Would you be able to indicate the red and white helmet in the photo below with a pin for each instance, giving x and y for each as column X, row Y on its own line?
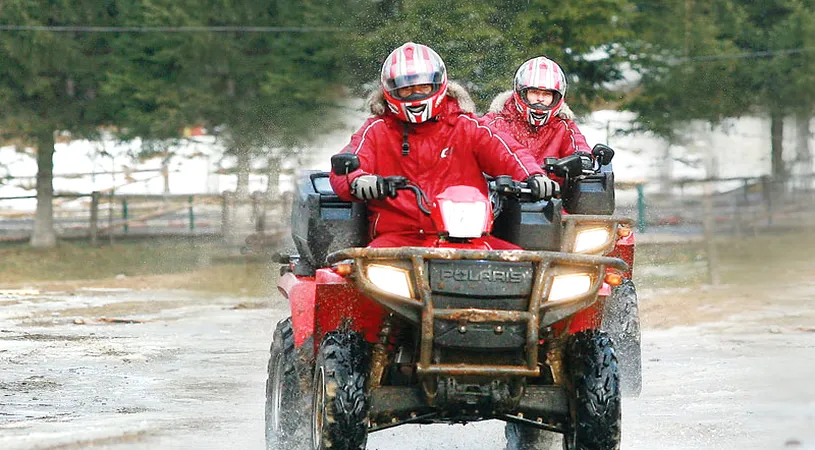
column 544, row 74
column 410, row 65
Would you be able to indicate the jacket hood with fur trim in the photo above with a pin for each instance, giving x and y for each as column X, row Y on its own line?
column 376, row 101
column 497, row 106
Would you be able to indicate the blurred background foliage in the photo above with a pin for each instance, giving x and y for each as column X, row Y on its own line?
column 277, row 72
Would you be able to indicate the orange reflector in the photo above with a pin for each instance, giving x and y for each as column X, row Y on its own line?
column 623, row 231
column 614, row 279
column 344, row 269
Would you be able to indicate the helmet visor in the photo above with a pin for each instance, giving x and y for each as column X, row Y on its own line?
column 435, row 78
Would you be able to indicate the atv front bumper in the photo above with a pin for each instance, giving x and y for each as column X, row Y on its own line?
column 541, row 309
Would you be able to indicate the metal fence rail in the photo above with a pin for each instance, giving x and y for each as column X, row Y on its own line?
column 737, row 205
column 95, row 216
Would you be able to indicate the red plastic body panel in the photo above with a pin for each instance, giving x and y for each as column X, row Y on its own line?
column 624, row 249
column 300, row 291
column 586, row 319
column 340, row 304
column 605, row 290
column 461, row 194
column 325, row 302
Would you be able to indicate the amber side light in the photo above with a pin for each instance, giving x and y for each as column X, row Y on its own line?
column 623, row 231
column 344, row 269
column 614, row 279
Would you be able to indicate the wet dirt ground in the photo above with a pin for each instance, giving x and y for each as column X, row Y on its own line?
column 724, row 368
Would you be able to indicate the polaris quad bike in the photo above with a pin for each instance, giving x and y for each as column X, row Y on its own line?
column 450, row 332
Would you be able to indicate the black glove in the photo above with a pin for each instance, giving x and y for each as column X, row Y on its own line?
column 368, row 187
column 586, row 159
column 542, row 187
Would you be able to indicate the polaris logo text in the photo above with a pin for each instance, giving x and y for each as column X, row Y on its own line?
column 482, row 275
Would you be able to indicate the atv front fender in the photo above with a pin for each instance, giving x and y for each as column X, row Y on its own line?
column 300, row 292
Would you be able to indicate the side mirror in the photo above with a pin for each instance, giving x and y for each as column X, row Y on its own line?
column 344, row 163
column 570, row 166
column 603, row 154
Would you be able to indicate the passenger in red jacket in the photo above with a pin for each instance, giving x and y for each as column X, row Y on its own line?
column 535, row 112
column 424, row 129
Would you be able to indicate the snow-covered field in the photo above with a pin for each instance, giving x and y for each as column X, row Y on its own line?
column 739, row 148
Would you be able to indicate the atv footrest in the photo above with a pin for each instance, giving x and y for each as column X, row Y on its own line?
column 396, row 401
column 544, row 401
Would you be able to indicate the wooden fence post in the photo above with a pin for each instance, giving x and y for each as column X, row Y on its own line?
column 641, row 220
column 110, row 217
column 93, row 230
column 125, row 215
column 227, row 204
column 190, row 201
column 767, row 190
column 709, row 236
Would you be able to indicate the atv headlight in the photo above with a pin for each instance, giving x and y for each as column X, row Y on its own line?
column 390, row 279
column 464, row 219
column 590, row 239
column 566, row 286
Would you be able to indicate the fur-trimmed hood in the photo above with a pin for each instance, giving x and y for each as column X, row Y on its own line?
column 378, row 106
column 497, row 106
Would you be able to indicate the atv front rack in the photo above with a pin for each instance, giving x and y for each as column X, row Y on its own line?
column 540, row 313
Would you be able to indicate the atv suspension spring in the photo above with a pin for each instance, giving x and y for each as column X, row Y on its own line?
column 379, row 356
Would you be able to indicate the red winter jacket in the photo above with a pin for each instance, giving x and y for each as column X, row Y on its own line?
column 453, row 150
column 558, row 138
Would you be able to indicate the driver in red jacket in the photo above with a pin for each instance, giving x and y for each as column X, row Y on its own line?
column 535, row 112
column 424, row 129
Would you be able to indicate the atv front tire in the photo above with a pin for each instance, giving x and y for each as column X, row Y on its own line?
column 340, row 405
column 621, row 320
column 285, row 402
column 595, row 396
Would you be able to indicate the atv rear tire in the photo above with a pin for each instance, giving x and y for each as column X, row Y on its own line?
column 621, row 320
column 340, row 406
column 285, row 402
column 527, row 437
column 596, row 401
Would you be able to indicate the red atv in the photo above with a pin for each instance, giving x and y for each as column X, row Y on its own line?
column 452, row 331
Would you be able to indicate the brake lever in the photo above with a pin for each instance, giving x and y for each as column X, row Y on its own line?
column 393, row 184
column 421, row 198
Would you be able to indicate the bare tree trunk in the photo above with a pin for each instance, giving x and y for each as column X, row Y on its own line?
column 273, row 183
column 242, row 224
column 165, row 173
column 244, row 164
column 777, row 146
column 43, row 235
column 803, row 155
column 665, row 171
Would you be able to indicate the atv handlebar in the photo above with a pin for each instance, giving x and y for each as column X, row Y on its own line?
column 505, row 185
column 579, row 163
column 501, row 185
column 569, row 167
column 394, row 184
